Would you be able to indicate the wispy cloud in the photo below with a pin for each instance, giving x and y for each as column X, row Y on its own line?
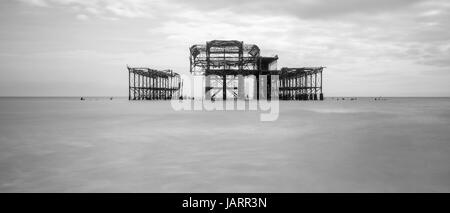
column 362, row 38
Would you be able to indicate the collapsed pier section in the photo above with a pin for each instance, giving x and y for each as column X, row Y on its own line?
column 150, row 84
column 303, row 83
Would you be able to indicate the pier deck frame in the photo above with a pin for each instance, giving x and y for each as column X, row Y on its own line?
column 303, row 83
column 150, row 84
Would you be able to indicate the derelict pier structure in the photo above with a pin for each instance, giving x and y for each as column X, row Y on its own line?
column 150, row 84
column 227, row 66
column 222, row 61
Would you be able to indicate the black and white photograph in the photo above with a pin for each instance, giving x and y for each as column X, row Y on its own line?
column 205, row 96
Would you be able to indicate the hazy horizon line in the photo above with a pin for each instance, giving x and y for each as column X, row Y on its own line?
column 191, row 96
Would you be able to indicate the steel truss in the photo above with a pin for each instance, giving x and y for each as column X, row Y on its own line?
column 301, row 83
column 150, row 84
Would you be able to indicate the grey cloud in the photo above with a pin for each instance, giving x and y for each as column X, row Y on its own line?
column 306, row 9
column 363, row 37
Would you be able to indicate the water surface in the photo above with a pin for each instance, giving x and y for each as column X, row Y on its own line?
column 99, row 145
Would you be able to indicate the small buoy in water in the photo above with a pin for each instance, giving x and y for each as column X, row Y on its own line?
column 111, row 98
column 82, row 98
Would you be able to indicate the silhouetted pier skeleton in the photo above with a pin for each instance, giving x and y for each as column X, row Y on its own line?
column 224, row 64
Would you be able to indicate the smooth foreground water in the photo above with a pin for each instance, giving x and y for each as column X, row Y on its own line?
column 98, row 145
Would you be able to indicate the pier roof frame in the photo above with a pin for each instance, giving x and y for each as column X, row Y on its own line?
column 148, row 72
column 226, row 57
column 288, row 71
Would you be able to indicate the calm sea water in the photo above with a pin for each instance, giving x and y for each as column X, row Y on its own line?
column 102, row 145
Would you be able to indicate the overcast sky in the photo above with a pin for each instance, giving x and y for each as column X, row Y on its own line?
column 82, row 47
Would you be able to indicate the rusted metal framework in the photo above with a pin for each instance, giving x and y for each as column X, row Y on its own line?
column 301, row 83
column 221, row 61
column 150, row 84
column 224, row 60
